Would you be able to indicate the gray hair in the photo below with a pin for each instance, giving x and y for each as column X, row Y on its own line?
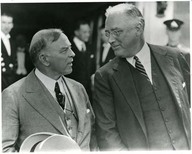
column 40, row 41
column 129, row 9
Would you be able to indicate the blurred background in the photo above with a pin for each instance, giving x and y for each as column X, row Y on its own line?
column 31, row 17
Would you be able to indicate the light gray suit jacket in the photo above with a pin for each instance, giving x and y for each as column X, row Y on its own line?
column 28, row 107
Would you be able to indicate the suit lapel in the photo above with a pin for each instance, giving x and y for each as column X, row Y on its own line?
column 76, row 100
column 174, row 79
column 167, row 67
column 37, row 96
column 125, row 82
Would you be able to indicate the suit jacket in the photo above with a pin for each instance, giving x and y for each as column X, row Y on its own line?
column 83, row 67
column 110, row 56
column 28, row 108
column 119, row 120
column 9, row 75
column 185, row 51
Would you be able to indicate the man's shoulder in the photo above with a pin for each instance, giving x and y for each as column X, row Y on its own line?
column 108, row 67
column 73, row 82
column 16, row 87
column 166, row 50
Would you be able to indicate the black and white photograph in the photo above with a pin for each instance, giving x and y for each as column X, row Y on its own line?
column 95, row 76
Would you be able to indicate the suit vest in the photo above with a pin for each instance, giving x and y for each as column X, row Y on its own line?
column 70, row 117
column 164, row 126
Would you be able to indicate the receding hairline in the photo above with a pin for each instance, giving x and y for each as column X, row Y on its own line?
column 45, row 34
column 41, row 40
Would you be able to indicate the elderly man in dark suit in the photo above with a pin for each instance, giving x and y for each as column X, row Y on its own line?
column 141, row 96
column 8, row 51
column 45, row 100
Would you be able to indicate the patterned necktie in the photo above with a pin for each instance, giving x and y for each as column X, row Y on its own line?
column 140, row 67
column 59, row 96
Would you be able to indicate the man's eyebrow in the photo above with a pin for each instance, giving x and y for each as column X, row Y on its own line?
column 116, row 28
column 66, row 47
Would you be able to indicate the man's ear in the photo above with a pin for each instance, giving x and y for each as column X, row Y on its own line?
column 76, row 33
column 139, row 29
column 44, row 59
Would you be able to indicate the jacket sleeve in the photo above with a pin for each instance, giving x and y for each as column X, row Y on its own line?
column 88, row 141
column 108, row 137
column 10, row 122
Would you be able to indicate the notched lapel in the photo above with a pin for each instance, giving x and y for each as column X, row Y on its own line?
column 166, row 65
column 37, row 97
column 125, row 82
column 79, row 107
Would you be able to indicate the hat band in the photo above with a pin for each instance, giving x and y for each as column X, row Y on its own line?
column 34, row 146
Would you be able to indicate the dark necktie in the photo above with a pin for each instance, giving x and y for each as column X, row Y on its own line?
column 59, row 96
column 140, row 67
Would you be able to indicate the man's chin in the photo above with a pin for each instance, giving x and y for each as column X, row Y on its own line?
column 68, row 72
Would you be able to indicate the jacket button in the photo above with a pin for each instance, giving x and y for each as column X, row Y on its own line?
column 170, row 131
column 166, row 119
column 10, row 65
column 4, row 69
column 173, row 141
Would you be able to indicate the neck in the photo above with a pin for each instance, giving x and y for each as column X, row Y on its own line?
column 50, row 74
column 140, row 45
column 173, row 43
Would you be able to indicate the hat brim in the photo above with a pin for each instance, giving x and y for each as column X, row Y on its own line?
column 31, row 140
column 58, row 143
column 45, row 141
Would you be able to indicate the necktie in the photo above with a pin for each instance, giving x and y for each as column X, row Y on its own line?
column 140, row 67
column 59, row 96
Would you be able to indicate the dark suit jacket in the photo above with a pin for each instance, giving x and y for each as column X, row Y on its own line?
column 119, row 121
column 83, row 66
column 9, row 75
column 28, row 107
column 109, row 56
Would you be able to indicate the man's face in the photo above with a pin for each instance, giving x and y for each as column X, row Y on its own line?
column 121, row 33
column 83, row 33
column 60, row 56
column 6, row 24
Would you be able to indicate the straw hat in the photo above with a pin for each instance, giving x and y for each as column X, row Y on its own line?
column 45, row 141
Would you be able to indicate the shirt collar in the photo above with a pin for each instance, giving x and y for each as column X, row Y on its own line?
column 78, row 43
column 143, row 55
column 143, row 52
column 106, row 45
column 3, row 36
column 48, row 82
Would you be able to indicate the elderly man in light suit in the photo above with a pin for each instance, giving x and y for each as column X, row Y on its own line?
column 45, row 100
column 142, row 96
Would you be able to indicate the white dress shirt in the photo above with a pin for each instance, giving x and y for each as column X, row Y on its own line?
column 6, row 42
column 80, row 44
column 106, row 47
column 49, row 83
column 144, row 56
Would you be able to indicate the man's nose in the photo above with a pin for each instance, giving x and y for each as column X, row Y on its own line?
column 72, row 54
column 111, row 39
